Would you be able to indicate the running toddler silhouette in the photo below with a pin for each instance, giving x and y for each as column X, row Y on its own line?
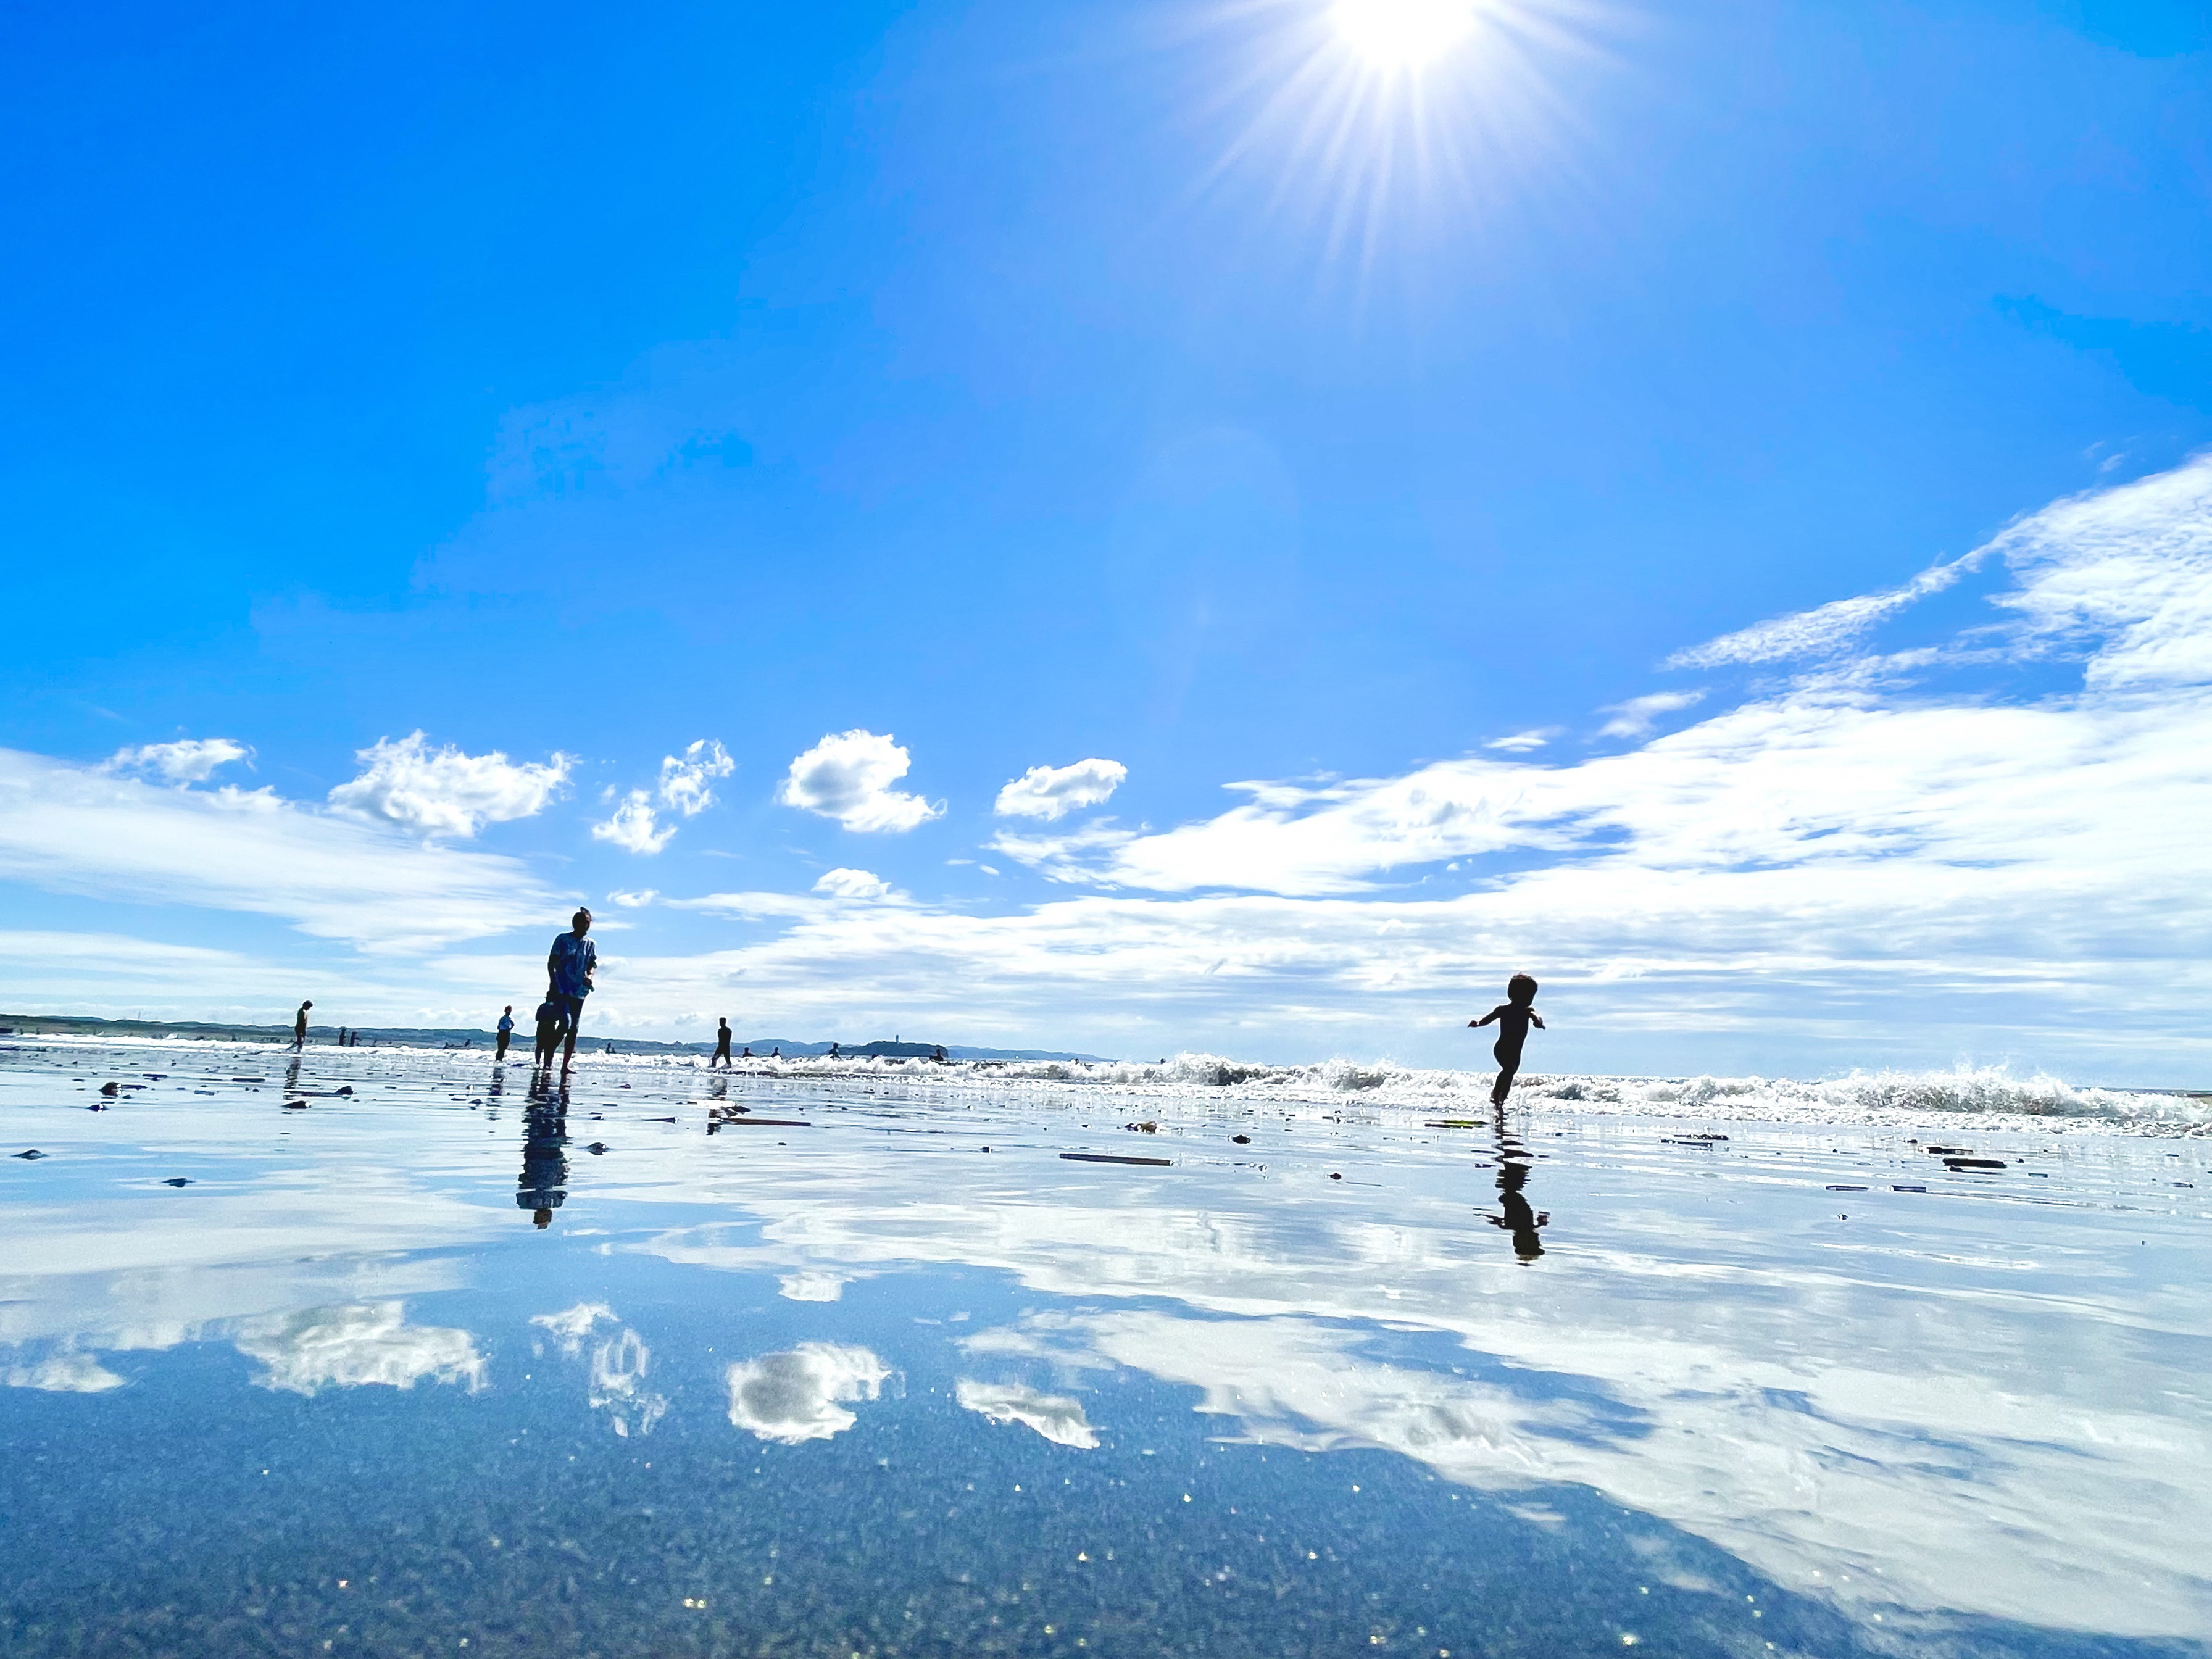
column 1514, row 1016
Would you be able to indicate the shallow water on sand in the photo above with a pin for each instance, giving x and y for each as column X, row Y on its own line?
column 808, row 1371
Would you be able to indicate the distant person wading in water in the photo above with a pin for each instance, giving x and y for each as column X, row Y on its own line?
column 569, row 968
column 299, row 1026
column 721, row 1045
column 506, row 1031
column 1514, row 1016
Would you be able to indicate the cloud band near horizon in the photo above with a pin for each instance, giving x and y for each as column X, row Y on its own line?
column 1844, row 855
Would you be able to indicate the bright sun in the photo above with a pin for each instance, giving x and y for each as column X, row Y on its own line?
column 1403, row 34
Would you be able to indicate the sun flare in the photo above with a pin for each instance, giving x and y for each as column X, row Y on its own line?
column 1402, row 35
column 1385, row 120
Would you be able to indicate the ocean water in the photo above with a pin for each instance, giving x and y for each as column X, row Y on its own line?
column 377, row 1352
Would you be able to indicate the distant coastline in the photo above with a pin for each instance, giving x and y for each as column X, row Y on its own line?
column 430, row 1036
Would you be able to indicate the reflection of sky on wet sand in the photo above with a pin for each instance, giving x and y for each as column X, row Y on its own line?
column 1985, row 1435
column 1902, row 1403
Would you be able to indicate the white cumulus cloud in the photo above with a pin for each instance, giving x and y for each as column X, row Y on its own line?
column 795, row 1397
column 852, row 884
column 685, row 787
column 634, row 826
column 444, row 792
column 1054, row 792
column 849, row 776
column 188, row 760
column 684, row 778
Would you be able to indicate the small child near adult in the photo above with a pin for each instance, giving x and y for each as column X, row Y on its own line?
column 1514, row 1016
column 505, row 1032
column 552, row 1021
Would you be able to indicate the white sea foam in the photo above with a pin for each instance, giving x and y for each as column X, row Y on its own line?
column 1986, row 1096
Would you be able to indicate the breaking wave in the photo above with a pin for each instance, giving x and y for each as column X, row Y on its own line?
column 1983, row 1094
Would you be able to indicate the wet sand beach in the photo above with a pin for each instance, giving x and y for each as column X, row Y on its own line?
column 893, row 1363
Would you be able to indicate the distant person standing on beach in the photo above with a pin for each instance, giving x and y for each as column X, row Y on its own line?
column 299, row 1026
column 569, row 968
column 505, row 1033
column 722, row 1044
column 1514, row 1016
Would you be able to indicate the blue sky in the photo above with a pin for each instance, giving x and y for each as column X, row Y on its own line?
column 1174, row 386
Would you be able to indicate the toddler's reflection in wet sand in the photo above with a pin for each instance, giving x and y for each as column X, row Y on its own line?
column 1515, row 1216
column 540, row 1189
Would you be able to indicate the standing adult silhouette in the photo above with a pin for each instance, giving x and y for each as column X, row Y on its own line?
column 569, row 966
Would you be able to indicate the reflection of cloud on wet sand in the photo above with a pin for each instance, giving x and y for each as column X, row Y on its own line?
column 793, row 1396
column 354, row 1345
column 64, row 1373
column 1057, row 1416
column 1867, row 1487
column 615, row 1384
column 1797, row 1411
column 572, row 1325
column 102, row 1272
column 812, row 1286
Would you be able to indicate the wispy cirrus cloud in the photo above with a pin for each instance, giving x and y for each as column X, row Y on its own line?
column 1637, row 716
column 81, row 830
column 1074, row 855
column 188, row 760
column 1826, row 629
column 1522, row 743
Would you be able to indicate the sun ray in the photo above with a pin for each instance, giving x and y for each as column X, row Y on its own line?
column 1376, row 116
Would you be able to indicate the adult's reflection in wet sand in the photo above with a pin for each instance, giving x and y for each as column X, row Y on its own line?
column 540, row 1188
column 1515, row 1215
